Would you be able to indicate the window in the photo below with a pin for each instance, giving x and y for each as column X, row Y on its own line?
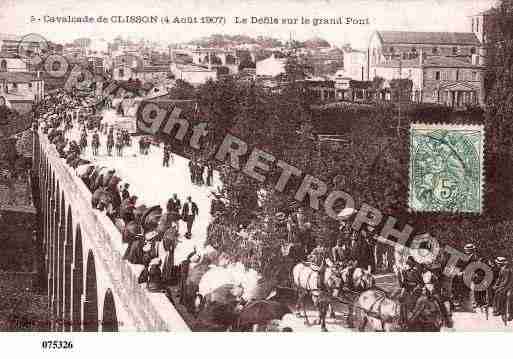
column 405, row 56
column 121, row 73
column 457, row 75
column 472, row 50
column 474, row 75
column 437, row 75
column 455, row 50
column 477, row 25
column 435, row 50
column 409, row 72
column 30, row 85
column 15, row 86
column 472, row 25
column 3, row 66
column 391, row 49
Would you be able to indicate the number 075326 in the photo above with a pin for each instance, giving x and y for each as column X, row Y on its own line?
column 56, row 344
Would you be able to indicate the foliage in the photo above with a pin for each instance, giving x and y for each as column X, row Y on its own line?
column 22, row 310
column 225, row 40
column 182, row 90
column 401, row 89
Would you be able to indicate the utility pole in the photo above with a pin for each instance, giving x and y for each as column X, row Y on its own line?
column 400, row 96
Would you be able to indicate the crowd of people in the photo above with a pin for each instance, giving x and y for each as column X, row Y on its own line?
column 201, row 172
column 294, row 240
column 143, row 228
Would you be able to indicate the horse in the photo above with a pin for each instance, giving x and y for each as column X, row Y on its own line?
column 102, row 200
column 357, row 279
column 374, row 310
column 95, row 144
column 93, row 177
column 84, row 173
column 151, row 218
column 119, row 146
column 306, row 281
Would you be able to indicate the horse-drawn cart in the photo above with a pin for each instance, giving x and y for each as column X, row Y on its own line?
column 93, row 122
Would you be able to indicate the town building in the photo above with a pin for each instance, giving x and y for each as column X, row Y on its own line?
column 10, row 62
column 193, row 74
column 444, row 67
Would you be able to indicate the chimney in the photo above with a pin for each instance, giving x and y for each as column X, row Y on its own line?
column 475, row 59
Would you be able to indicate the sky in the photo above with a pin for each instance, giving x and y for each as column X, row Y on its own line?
column 413, row 15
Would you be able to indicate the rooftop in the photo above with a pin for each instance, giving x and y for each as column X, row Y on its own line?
column 442, row 61
column 155, row 68
column 192, row 68
column 439, row 38
column 431, row 61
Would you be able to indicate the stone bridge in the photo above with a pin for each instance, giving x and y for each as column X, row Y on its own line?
column 90, row 287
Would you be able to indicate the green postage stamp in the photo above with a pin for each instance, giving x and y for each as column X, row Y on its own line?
column 446, row 168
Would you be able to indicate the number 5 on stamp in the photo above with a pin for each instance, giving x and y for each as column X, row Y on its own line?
column 446, row 168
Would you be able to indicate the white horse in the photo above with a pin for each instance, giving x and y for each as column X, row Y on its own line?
column 306, row 281
column 359, row 280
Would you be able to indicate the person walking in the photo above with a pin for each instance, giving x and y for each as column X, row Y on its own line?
column 191, row 170
column 189, row 212
column 124, row 192
column 210, row 174
column 173, row 208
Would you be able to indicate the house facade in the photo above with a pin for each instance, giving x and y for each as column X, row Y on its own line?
column 152, row 73
column 438, row 79
column 407, row 45
column 270, row 67
column 445, row 68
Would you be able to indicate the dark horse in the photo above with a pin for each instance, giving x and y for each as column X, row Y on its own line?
column 375, row 310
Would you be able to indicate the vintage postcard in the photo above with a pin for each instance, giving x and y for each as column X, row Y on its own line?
column 241, row 166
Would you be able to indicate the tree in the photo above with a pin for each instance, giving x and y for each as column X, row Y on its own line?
column 401, row 89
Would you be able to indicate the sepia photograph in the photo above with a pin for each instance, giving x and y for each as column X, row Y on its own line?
column 242, row 166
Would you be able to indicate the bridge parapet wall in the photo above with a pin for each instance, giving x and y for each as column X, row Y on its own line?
column 90, row 286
